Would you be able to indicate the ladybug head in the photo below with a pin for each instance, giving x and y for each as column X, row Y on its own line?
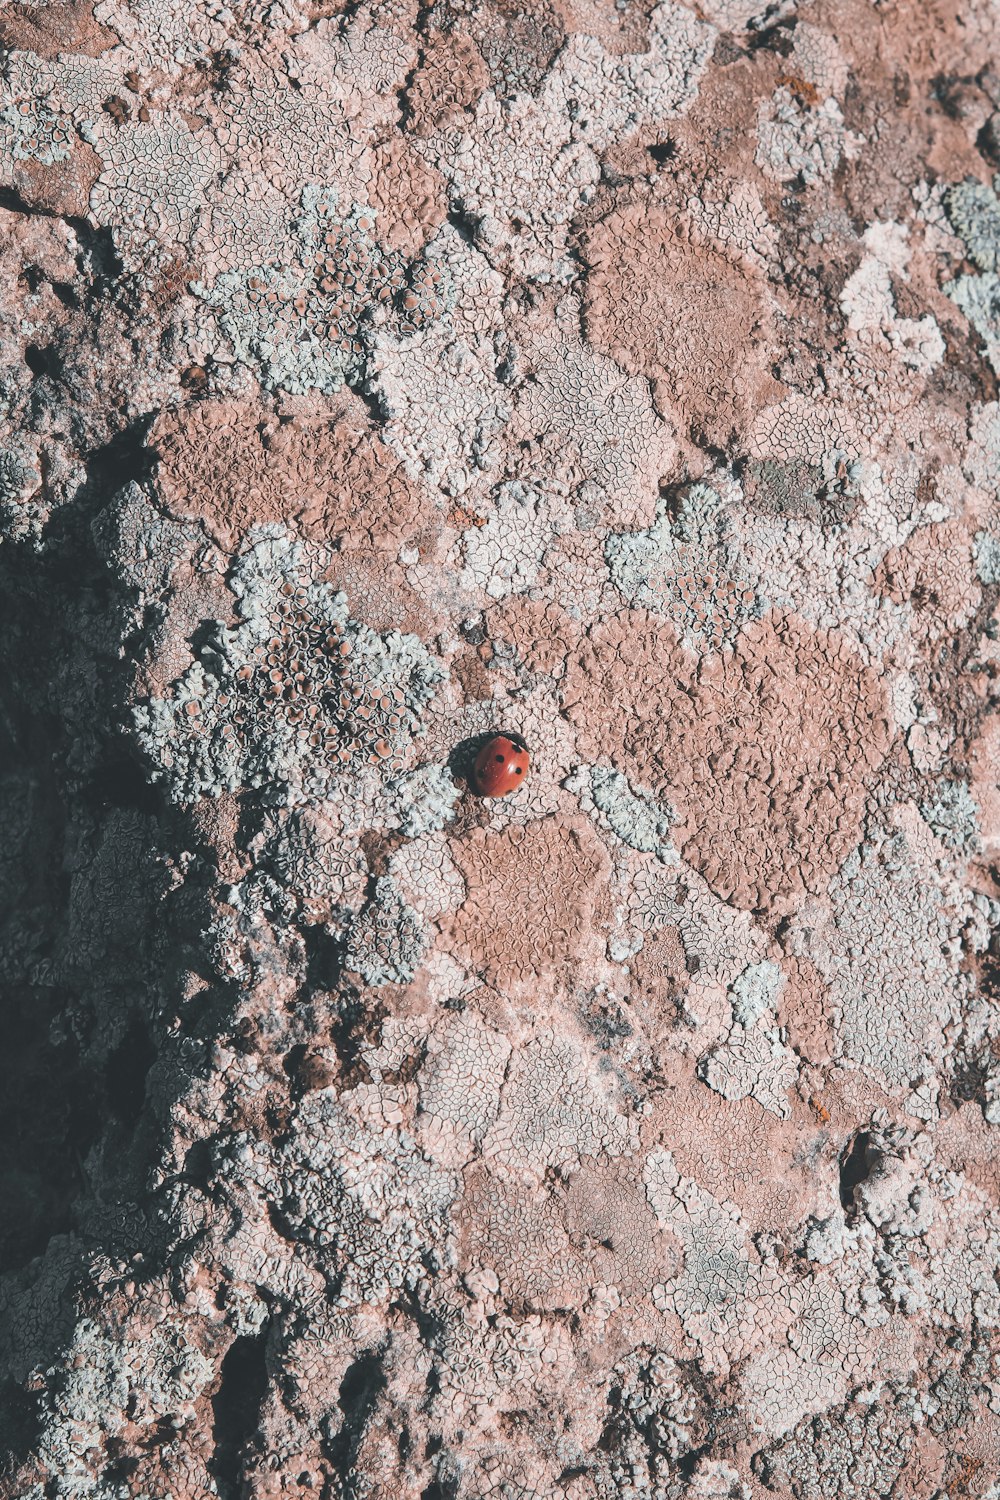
column 510, row 734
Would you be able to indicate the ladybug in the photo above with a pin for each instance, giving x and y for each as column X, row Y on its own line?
column 501, row 766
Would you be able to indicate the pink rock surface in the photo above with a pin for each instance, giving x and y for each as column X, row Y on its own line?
column 376, row 378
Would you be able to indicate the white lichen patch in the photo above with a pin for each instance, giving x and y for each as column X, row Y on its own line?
column 890, row 946
column 752, row 1061
column 291, row 695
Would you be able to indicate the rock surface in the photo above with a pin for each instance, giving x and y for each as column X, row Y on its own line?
column 374, row 377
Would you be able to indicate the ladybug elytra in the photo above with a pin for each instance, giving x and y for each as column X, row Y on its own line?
column 501, row 766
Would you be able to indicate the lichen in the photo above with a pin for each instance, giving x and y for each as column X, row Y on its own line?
column 292, row 695
column 377, row 378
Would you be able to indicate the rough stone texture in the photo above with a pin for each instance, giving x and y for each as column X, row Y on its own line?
column 374, row 377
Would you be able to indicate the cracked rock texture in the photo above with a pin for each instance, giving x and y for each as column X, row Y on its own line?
column 374, row 376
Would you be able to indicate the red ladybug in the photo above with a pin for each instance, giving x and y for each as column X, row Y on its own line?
column 501, row 766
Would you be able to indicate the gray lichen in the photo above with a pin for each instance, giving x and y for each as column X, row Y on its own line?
column 291, row 695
